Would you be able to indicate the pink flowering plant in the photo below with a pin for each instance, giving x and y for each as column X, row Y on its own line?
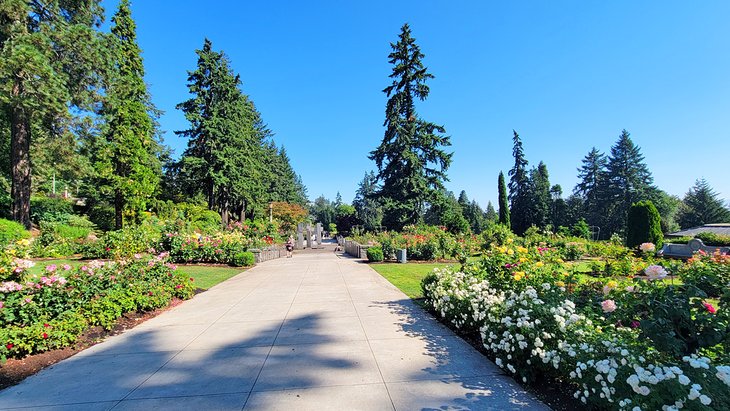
column 51, row 310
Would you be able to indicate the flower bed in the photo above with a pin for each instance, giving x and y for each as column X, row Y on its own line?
column 42, row 313
column 626, row 343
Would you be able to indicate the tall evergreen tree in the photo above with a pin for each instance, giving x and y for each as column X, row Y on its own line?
column 129, row 168
column 703, row 206
column 490, row 215
column 558, row 207
column 628, row 181
column 519, row 189
column 539, row 196
column 411, row 162
column 50, row 61
column 504, row 217
column 592, row 187
column 366, row 204
column 446, row 211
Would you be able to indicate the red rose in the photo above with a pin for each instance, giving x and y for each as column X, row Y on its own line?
column 45, row 335
column 46, row 325
column 9, row 346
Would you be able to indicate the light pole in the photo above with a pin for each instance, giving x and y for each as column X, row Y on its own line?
column 271, row 212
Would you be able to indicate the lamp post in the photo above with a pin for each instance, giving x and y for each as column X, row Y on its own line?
column 271, row 212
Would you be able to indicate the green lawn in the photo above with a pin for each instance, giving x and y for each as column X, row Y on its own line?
column 205, row 276
column 407, row 277
column 208, row 276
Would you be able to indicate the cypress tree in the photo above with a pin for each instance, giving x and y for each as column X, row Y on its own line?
column 504, row 217
column 540, row 196
column 643, row 225
column 519, row 189
column 129, row 167
column 411, row 162
column 490, row 214
column 50, row 61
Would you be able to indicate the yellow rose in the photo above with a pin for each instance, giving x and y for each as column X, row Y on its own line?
column 539, row 264
column 612, row 284
column 560, row 284
column 523, row 259
column 518, row 275
column 510, row 251
column 521, row 249
column 510, row 241
column 502, row 249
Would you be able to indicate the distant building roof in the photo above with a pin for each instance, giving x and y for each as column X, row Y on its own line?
column 722, row 229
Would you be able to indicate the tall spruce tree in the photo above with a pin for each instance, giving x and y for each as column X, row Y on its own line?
column 128, row 166
column 519, row 189
column 366, row 205
column 50, row 62
column 539, row 196
column 628, row 181
column 558, row 208
column 702, row 206
column 411, row 162
column 504, row 217
column 490, row 215
column 592, row 187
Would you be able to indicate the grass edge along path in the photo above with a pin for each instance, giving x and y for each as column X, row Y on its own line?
column 407, row 277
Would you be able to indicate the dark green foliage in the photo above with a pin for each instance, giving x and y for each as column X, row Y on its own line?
column 473, row 214
column 591, row 188
column 11, row 231
column 446, row 211
column 490, row 215
column 50, row 209
column 375, row 254
column 644, row 225
column 368, row 208
column 411, row 162
column 345, row 217
column 539, row 215
column 504, row 217
column 323, row 211
column 519, row 189
column 581, row 229
column 50, row 56
column 127, row 160
column 628, row 181
column 558, row 207
column 243, row 259
column 702, row 206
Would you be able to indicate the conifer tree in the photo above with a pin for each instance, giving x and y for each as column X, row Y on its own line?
column 702, row 206
column 539, row 196
column 128, row 166
column 490, row 214
column 50, row 61
column 628, row 181
column 504, row 217
column 592, row 187
column 366, row 205
column 411, row 162
column 519, row 189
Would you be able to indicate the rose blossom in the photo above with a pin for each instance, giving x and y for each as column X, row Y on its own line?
column 608, row 306
column 647, row 247
column 709, row 307
column 655, row 272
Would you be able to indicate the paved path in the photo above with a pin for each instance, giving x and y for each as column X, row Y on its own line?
column 315, row 332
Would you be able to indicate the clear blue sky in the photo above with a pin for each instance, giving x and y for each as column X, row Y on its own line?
column 567, row 75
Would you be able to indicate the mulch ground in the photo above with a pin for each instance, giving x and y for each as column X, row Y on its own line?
column 14, row 371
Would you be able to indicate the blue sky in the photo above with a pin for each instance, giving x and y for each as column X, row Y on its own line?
column 567, row 75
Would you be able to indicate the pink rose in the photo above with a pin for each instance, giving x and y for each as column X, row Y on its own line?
column 51, row 268
column 709, row 307
column 608, row 306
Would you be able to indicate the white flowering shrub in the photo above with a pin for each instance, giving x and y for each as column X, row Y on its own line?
column 538, row 333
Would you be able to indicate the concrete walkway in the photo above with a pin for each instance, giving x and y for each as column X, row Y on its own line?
column 315, row 332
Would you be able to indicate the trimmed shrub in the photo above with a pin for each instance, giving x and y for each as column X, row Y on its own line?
column 644, row 225
column 375, row 254
column 243, row 259
column 713, row 239
column 581, row 229
column 11, row 231
column 59, row 240
column 50, row 209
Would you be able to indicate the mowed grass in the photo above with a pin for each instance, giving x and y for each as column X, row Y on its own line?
column 207, row 276
column 204, row 276
column 407, row 277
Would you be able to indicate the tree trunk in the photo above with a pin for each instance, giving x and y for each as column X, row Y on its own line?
column 243, row 212
column 20, row 160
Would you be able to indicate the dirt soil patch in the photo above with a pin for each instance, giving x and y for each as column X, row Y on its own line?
column 14, row 371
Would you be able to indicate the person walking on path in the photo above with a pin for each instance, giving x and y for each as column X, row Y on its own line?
column 289, row 247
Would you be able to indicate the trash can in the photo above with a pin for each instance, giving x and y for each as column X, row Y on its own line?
column 400, row 255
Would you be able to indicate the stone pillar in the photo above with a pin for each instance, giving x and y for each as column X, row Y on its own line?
column 308, row 238
column 300, row 241
column 318, row 233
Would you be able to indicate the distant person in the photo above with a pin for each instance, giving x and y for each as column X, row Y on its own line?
column 289, row 247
